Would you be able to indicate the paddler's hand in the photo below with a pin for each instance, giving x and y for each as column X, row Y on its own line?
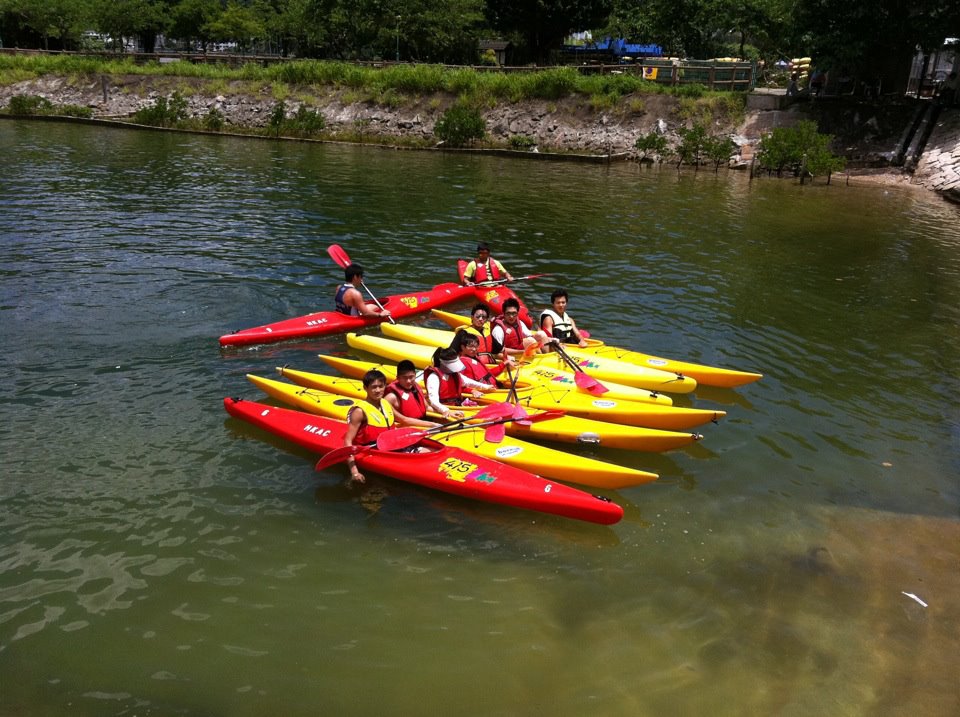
column 453, row 415
column 385, row 312
column 356, row 477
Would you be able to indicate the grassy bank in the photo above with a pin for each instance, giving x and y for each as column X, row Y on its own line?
column 467, row 83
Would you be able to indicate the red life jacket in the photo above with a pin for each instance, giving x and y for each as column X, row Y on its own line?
column 450, row 386
column 477, row 371
column 487, row 344
column 410, row 403
column 378, row 421
column 481, row 274
column 512, row 338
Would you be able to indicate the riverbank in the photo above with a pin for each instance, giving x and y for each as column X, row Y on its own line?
column 866, row 134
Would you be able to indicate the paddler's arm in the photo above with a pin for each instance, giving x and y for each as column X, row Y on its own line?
column 404, row 420
column 432, row 383
column 354, row 422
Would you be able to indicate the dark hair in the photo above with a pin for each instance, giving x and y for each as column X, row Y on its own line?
column 373, row 375
column 483, row 246
column 557, row 293
column 468, row 338
column 479, row 307
column 511, row 303
column 404, row 366
column 352, row 270
column 444, row 354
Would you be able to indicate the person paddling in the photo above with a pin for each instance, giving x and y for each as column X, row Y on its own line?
column 368, row 419
column 445, row 383
column 475, row 368
column 407, row 400
column 349, row 300
column 556, row 323
column 484, row 268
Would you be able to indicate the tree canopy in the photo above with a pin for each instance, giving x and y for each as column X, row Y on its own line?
column 870, row 41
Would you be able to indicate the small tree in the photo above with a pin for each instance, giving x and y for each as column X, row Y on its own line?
column 277, row 117
column 652, row 143
column 692, row 144
column 719, row 150
column 801, row 149
column 460, row 125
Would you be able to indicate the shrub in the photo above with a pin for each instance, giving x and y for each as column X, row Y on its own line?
column 460, row 125
column 719, row 150
column 74, row 111
column 522, row 142
column 163, row 113
column 799, row 149
column 214, row 120
column 29, row 105
column 652, row 143
column 307, row 122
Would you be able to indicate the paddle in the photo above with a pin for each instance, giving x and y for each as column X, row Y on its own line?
column 519, row 414
column 406, row 437
column 341, row 257
column 587, row 383
column 498, row 282
column 338, row 455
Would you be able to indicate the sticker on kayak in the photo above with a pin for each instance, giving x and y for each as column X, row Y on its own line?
column 604, row 404
column 315, row 322
column 409, row 301
column 458, row 470
column 343, row 402
column 507, row 451
column 492, row 297
column 656, row 362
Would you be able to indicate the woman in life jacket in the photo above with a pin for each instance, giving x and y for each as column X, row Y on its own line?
column 445, row 384
column 474, row 366
column 367, row 419
column 556, row 323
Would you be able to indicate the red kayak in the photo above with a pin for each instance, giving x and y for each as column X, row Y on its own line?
column 443, row 467
column 494, row 296
column 321, row 323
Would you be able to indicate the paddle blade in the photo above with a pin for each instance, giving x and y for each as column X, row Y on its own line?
column 495, row 410
column 337, row 455
column 590, row 384
column 337, row 253
column 495, row 433
column 399, row 438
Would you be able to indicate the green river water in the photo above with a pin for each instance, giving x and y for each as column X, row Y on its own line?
column 159, row 558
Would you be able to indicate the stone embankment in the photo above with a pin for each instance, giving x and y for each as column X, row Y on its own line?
column 939, row 166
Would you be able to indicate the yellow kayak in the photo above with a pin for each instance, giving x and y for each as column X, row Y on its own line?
column 539, row 371
column 546, row 462
column 567, row 429
column 603, row 369
column 705, row 375
column 546, row 398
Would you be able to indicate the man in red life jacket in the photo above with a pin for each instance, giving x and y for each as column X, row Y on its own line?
column 445, row 383
column 489, row 350
column 407, row 400
column 349, row 300
column 513, row 334
column 367, row 419
column 474, row 367
column 556, row 323
column 484, row 268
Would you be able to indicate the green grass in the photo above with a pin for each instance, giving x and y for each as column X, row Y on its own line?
column 396, row 80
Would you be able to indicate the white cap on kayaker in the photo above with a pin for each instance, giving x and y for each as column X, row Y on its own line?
column 455, row 366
